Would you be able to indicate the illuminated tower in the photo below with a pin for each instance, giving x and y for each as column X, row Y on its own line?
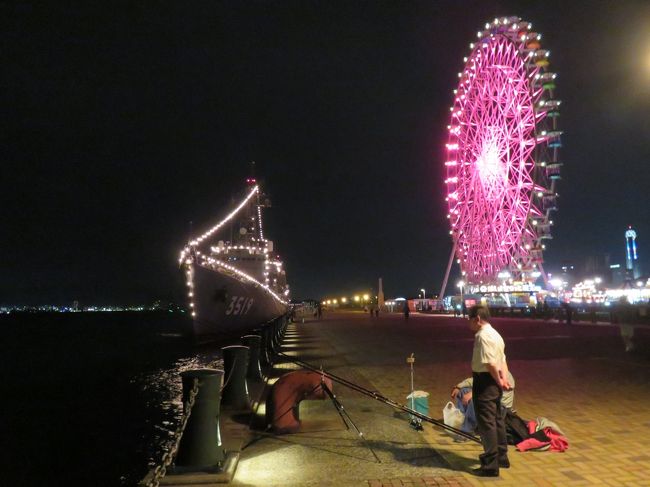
column 631, row 255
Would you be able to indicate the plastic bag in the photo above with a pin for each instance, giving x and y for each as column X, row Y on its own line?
column 452, row 416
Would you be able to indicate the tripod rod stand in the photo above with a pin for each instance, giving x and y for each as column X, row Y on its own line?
column 345, row 417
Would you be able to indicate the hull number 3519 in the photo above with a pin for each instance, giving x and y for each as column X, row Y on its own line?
column 239, row 305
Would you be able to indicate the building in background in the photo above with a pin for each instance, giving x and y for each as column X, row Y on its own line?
column 597, row 265
column 618, row 275
column 569, row 274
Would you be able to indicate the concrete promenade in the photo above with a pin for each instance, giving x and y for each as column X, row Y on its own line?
column 578, row 376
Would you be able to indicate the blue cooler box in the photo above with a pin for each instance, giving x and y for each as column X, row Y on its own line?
column 419, row 401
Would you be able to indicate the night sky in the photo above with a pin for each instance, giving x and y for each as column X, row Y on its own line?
column 122, row 123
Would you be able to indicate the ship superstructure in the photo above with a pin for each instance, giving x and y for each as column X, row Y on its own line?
column 235, row 280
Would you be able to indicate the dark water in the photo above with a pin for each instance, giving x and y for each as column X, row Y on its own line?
column 91, row 398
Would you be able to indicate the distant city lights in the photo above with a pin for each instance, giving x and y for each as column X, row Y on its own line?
column 357, row 299
column 51, row 308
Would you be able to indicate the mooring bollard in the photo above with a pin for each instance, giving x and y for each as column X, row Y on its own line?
column 282, row 324
column 276, row 335
column 264, row 361
column 280, row 330
column 270, row 338
column 200, row 446
column 267, row 348
column 285, row 324
column 253, row 343
column 235, row 388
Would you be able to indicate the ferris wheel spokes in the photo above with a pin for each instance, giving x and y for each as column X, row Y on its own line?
column 503, row 155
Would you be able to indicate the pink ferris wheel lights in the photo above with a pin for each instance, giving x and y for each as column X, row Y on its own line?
column 500, row 142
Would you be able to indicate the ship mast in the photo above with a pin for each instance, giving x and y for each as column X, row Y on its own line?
column 258, row 207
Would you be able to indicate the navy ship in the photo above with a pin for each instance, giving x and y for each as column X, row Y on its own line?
column 238, row 283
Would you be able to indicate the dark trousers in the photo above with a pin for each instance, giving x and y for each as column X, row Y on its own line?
column 486, row 396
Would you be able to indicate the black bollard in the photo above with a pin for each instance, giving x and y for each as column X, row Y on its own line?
column 264, row 358
column 259, row 331
column 276, row 335
column 235, row 388
column 267, row 347
column 200, row 445
column 283, row 327
column 253, row 342
column 280, row 325
column 272, row 345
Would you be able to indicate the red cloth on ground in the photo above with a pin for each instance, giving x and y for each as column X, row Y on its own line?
column 532, row 427
column 531, row 444
column 558, row 442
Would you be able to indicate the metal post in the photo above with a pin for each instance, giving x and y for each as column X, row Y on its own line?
column 264, row 362
column 444, row 282
column 279, row 333
column 275, row 327
column 200, row 446
column 462, row 300
column 267, row 350
column 235, row 388
column 253, row 343
column 283, row 328
column 411, row 360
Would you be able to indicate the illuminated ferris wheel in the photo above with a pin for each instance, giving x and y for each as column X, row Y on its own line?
column 503, row 155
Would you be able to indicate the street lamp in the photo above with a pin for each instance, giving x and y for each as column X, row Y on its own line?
column 461, row 285
column 364, row 300
column 424, row 296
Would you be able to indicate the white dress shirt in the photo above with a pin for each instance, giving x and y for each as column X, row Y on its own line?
column 488, row 349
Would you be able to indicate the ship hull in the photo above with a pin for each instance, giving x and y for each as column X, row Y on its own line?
column 225, row 304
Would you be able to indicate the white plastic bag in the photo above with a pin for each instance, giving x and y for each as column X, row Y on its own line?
column 452, row 416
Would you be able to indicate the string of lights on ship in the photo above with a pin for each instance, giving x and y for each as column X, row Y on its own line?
column 207, row 261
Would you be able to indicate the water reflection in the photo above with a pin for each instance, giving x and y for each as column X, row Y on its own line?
column 163, row 391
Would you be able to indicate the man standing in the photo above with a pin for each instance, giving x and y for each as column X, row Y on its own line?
column 490, row 374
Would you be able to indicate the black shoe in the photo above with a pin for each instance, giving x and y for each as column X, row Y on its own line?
column 485, row 472
column 504, row 463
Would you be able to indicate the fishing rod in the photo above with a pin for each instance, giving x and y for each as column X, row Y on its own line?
column 379, row 397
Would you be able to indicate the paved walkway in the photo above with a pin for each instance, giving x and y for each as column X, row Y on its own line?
column 578, row 376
